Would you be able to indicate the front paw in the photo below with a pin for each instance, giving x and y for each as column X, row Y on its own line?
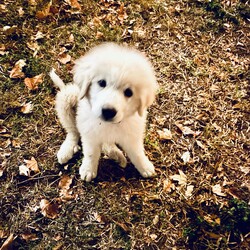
column 87, row 172
column 148, row 170
column 66, row 151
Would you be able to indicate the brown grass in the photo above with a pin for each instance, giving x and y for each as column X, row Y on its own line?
column 201, row 57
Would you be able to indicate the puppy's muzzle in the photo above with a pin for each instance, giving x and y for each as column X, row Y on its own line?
column 108, row 114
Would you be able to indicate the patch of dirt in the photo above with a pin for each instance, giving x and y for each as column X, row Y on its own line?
column 197, row 136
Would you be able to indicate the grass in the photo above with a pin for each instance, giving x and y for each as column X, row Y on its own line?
column 200, row 55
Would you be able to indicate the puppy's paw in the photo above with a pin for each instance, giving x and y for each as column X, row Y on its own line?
column 119, row 157
column 87, row 172
column 148, row 170
column 66, row 151
column 114, row 153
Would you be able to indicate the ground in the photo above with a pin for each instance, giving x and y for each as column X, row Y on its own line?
column 197, row 131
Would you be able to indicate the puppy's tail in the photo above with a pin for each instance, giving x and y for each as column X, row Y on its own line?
column 56, row 79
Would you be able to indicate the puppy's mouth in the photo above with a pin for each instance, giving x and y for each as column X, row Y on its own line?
column 110, row 121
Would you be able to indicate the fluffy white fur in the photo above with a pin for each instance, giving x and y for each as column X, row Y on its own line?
column 105, row 106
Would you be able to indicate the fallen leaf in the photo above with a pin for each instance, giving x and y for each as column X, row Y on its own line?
column 29, row 236
column 39, row 35
column 32, row 83
column 16, row 143
column 200, row 144
column 164, row 134
column 181, row 178
column 245, row 170
column 20, row 11
column 64, row 58
column 65, row 182
column 34, row 47
column 186, row 157
column 64, row 185
column 16, row 72
column 98, row 217
column 45, row 11
column 71, row 38
column 153, row 236
column 24, row 170
column 190, row 189
column 48, row 209
column 186, row 130
column 32, row 2
column 217, row 127
column 167, row 185
column 7, row 245
column 27, row 108
column 217, row 190
column 156, row 219
column 3, row 50
column 74, row 4
column 32, row 165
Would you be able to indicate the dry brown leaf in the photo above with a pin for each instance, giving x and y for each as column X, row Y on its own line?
column 165, row 134
column 181, row 178
column 64, row 58
column 3, row 50
column 98, row 217
column 32, row 2
column 24, row 170
column 32, row 83
column 189, row 190
column 64, row 185
column 74, row 4
column 16, row 72
column 168, row 185
column 34, row 47
column 186, row 130
column 27, row 108
column 156, row 219
column 49, row 210
column 245, row 170
column 7, row 245
column 186, row 157
column 217, row 190
column 45, row 11
column 65, row 182
column 200, row 144
column 32, row 165
column 38, row 35
column 29, row 236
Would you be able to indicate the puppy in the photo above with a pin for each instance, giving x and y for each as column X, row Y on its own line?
column 105, row 106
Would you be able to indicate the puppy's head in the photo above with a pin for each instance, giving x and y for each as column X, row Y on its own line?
column 118, row 81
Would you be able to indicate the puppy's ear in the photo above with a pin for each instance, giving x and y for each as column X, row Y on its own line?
column 82, row 76
column 145, row 101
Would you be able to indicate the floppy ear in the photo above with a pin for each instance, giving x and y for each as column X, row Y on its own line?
column 147, row 98
column 82, row 76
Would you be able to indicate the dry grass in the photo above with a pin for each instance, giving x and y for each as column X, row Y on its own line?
column 200, row 50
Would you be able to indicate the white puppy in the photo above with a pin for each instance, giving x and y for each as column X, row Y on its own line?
column 106, row 106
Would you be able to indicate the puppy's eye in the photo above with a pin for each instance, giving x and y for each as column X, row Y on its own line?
column 102, row 83
column 128, row 92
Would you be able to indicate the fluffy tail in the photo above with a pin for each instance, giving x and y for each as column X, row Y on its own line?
column 56, row 79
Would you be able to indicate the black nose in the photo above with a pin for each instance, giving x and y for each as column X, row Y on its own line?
column 108, row 113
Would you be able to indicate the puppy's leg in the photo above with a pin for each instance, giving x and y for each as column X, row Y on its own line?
column 113, row 152
column 92, row 153
column 135, row 151
column 66, row 102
